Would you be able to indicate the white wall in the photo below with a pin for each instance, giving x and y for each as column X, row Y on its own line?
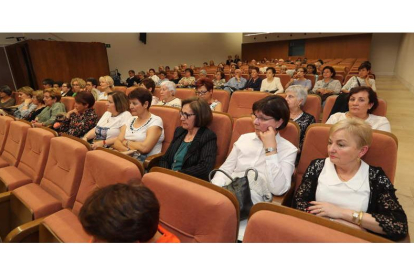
column 405, row 61
column 127, row 52
column 384, row 52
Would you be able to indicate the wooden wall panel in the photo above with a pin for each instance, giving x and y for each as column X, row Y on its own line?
column 58, row 60
column 5, row 73
column 355, row 46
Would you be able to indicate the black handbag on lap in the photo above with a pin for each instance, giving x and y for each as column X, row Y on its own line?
column 239, row 186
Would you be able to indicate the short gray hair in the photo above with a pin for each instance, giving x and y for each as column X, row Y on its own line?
column 170, row 86
column 300, row 92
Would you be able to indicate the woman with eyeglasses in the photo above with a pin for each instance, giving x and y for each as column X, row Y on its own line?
column 66, row 90
column 193, row 149
column 299, row 79
column 78, row 85
column 265, row 150
column 204, row 90
column 167, row 92
column 47, row 117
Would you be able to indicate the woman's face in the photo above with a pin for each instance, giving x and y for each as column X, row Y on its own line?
column 151, row 73
column 76, row 87
column 363, row 73
column 136, row 108
column 104, row 85
column 204, row 94
column 310, row 70
column 254, row 73
column 80, row 107
column 23, row 96
column 187, row 117
column 327, row 73
column 262, row 122
column 218, row 76
column 175, row 75
column 165, row 93
column 359, row 105
column 34, row 100
column 269, row 74
column 111, row 105
column 300, row 73
column 65, row 88
column 47, row 99
column 343, row 149
column 187, row 74
column 292, row 100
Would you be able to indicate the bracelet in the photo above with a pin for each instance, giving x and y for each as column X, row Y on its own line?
column 360, row 215
column 268, row 150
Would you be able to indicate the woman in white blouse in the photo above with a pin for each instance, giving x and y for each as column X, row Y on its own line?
column 108, row 128
column 345, row 189
column 362, row 101
column 265, row 150
column 106, row 84
column 167, row 92
column 327, row 86
column 271, row 83
column 143, row 134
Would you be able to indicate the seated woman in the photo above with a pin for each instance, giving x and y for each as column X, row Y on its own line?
column 193, row 149
column 254, row 83
column 311, row 68
column 204, row 90
column 153, row 76
column 78, row 85
column 144, row 132
column 47, row 117
column 188, row 80
column 296, row 96
column 27, row 106
column 265, row 150
column 271, row 83
column 167, row 92
column 109, row 126
column 362, row 101
column 344, row 188
column 162, row 77
column 81, row 119
column 66, row 90
column 219, row 80
column 299, row 79
column 176, row 77
column 124, row 213
column 6, row 99
column 107, row 86
column 37, row 100
column 327, row 86
column 149, row 84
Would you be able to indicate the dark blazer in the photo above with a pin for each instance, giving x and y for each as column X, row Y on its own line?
column 130, row 81
column 201, row 155
column 254, row 84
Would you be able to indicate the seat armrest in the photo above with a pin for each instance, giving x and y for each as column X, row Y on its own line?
column 4, row 214
column 152, row 161
column 5, row 197
column 28, row 232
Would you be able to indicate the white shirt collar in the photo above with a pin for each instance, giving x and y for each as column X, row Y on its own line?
column 355, row 183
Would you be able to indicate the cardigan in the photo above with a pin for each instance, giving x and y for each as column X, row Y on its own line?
column 383, row 204
column 201, row 155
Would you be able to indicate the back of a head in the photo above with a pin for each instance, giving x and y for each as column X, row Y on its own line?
column 121, row 213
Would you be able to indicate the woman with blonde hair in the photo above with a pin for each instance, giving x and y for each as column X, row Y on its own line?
column 27, row 106
column 106, row 86
column 37, row 100
column 78, row 85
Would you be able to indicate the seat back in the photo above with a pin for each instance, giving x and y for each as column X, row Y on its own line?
column 222, row 126
column 68, row 102
column 311, row 77
column 381, row 109
column 4, row 130
column 120, row 89
column 35, row 152
column 222, row 96
column 171, row 120
column 104, row 167
column 185, row 93
column 313, row 105
column 382, row 153
column 245, row 125
column 208, row 213
column 130, row 89
column 64, row 168
column 284, row 78
column 100, row 108
column 241, row 103
column 270, row 223
column 15, row 141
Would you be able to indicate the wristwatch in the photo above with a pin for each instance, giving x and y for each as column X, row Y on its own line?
column 355, row 216
column 267, row 150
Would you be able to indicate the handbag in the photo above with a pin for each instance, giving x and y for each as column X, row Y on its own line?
column 239, row 186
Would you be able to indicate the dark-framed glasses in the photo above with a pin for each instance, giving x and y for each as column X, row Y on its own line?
column 185, row 114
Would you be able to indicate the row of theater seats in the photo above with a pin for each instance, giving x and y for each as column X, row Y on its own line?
column 63, row 172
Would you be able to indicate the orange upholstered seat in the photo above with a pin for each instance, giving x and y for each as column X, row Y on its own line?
column 222, row 96
column 100, row 108
column 69, row 103
column 312, row 105
column 192, row 209
column 241, row 103
column 269, row 223
column 222, row 126
column 14, row 145
column 120, row 89
column 4, row 130
column 184, row 93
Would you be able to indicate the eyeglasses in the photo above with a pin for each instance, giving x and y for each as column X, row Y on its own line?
column 261, row 119
column 185, row 115
column 201, row 93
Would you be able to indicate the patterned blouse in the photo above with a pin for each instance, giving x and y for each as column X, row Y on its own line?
column 219, row 84
column 189, row 82
column 79, row 124
column 383, row 204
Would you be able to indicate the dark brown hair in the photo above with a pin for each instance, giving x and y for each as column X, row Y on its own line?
column 120, row 101
column 274, row 106
column 201, row 109
column 149, row 83
column 142, row 95
column 372, row 96
column 85, row 98
column 205, row 82
column 54, row 93
column 121, row 213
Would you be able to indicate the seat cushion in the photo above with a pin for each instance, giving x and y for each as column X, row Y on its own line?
column 3, row 163
column 40, row 202
column 66, row 226
column 13, row 178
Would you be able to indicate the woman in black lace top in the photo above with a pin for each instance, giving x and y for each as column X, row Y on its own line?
column 344, row 188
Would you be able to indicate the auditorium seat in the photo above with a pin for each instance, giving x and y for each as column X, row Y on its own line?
column 222, row 126
column 381, row 109
column 284, row 79
column 103, row 167
column 192, row 209
column 120, row 89
column 270, row 223
column 32, row 162
column 185, row 93
column 313, row 105
column 4, row 130
column 130, row 89
column 14, row 144
column 241, row 103
column 222, row 96
column 68, row 102
column 311, row 77
column 382, row 152
column 100, row 108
